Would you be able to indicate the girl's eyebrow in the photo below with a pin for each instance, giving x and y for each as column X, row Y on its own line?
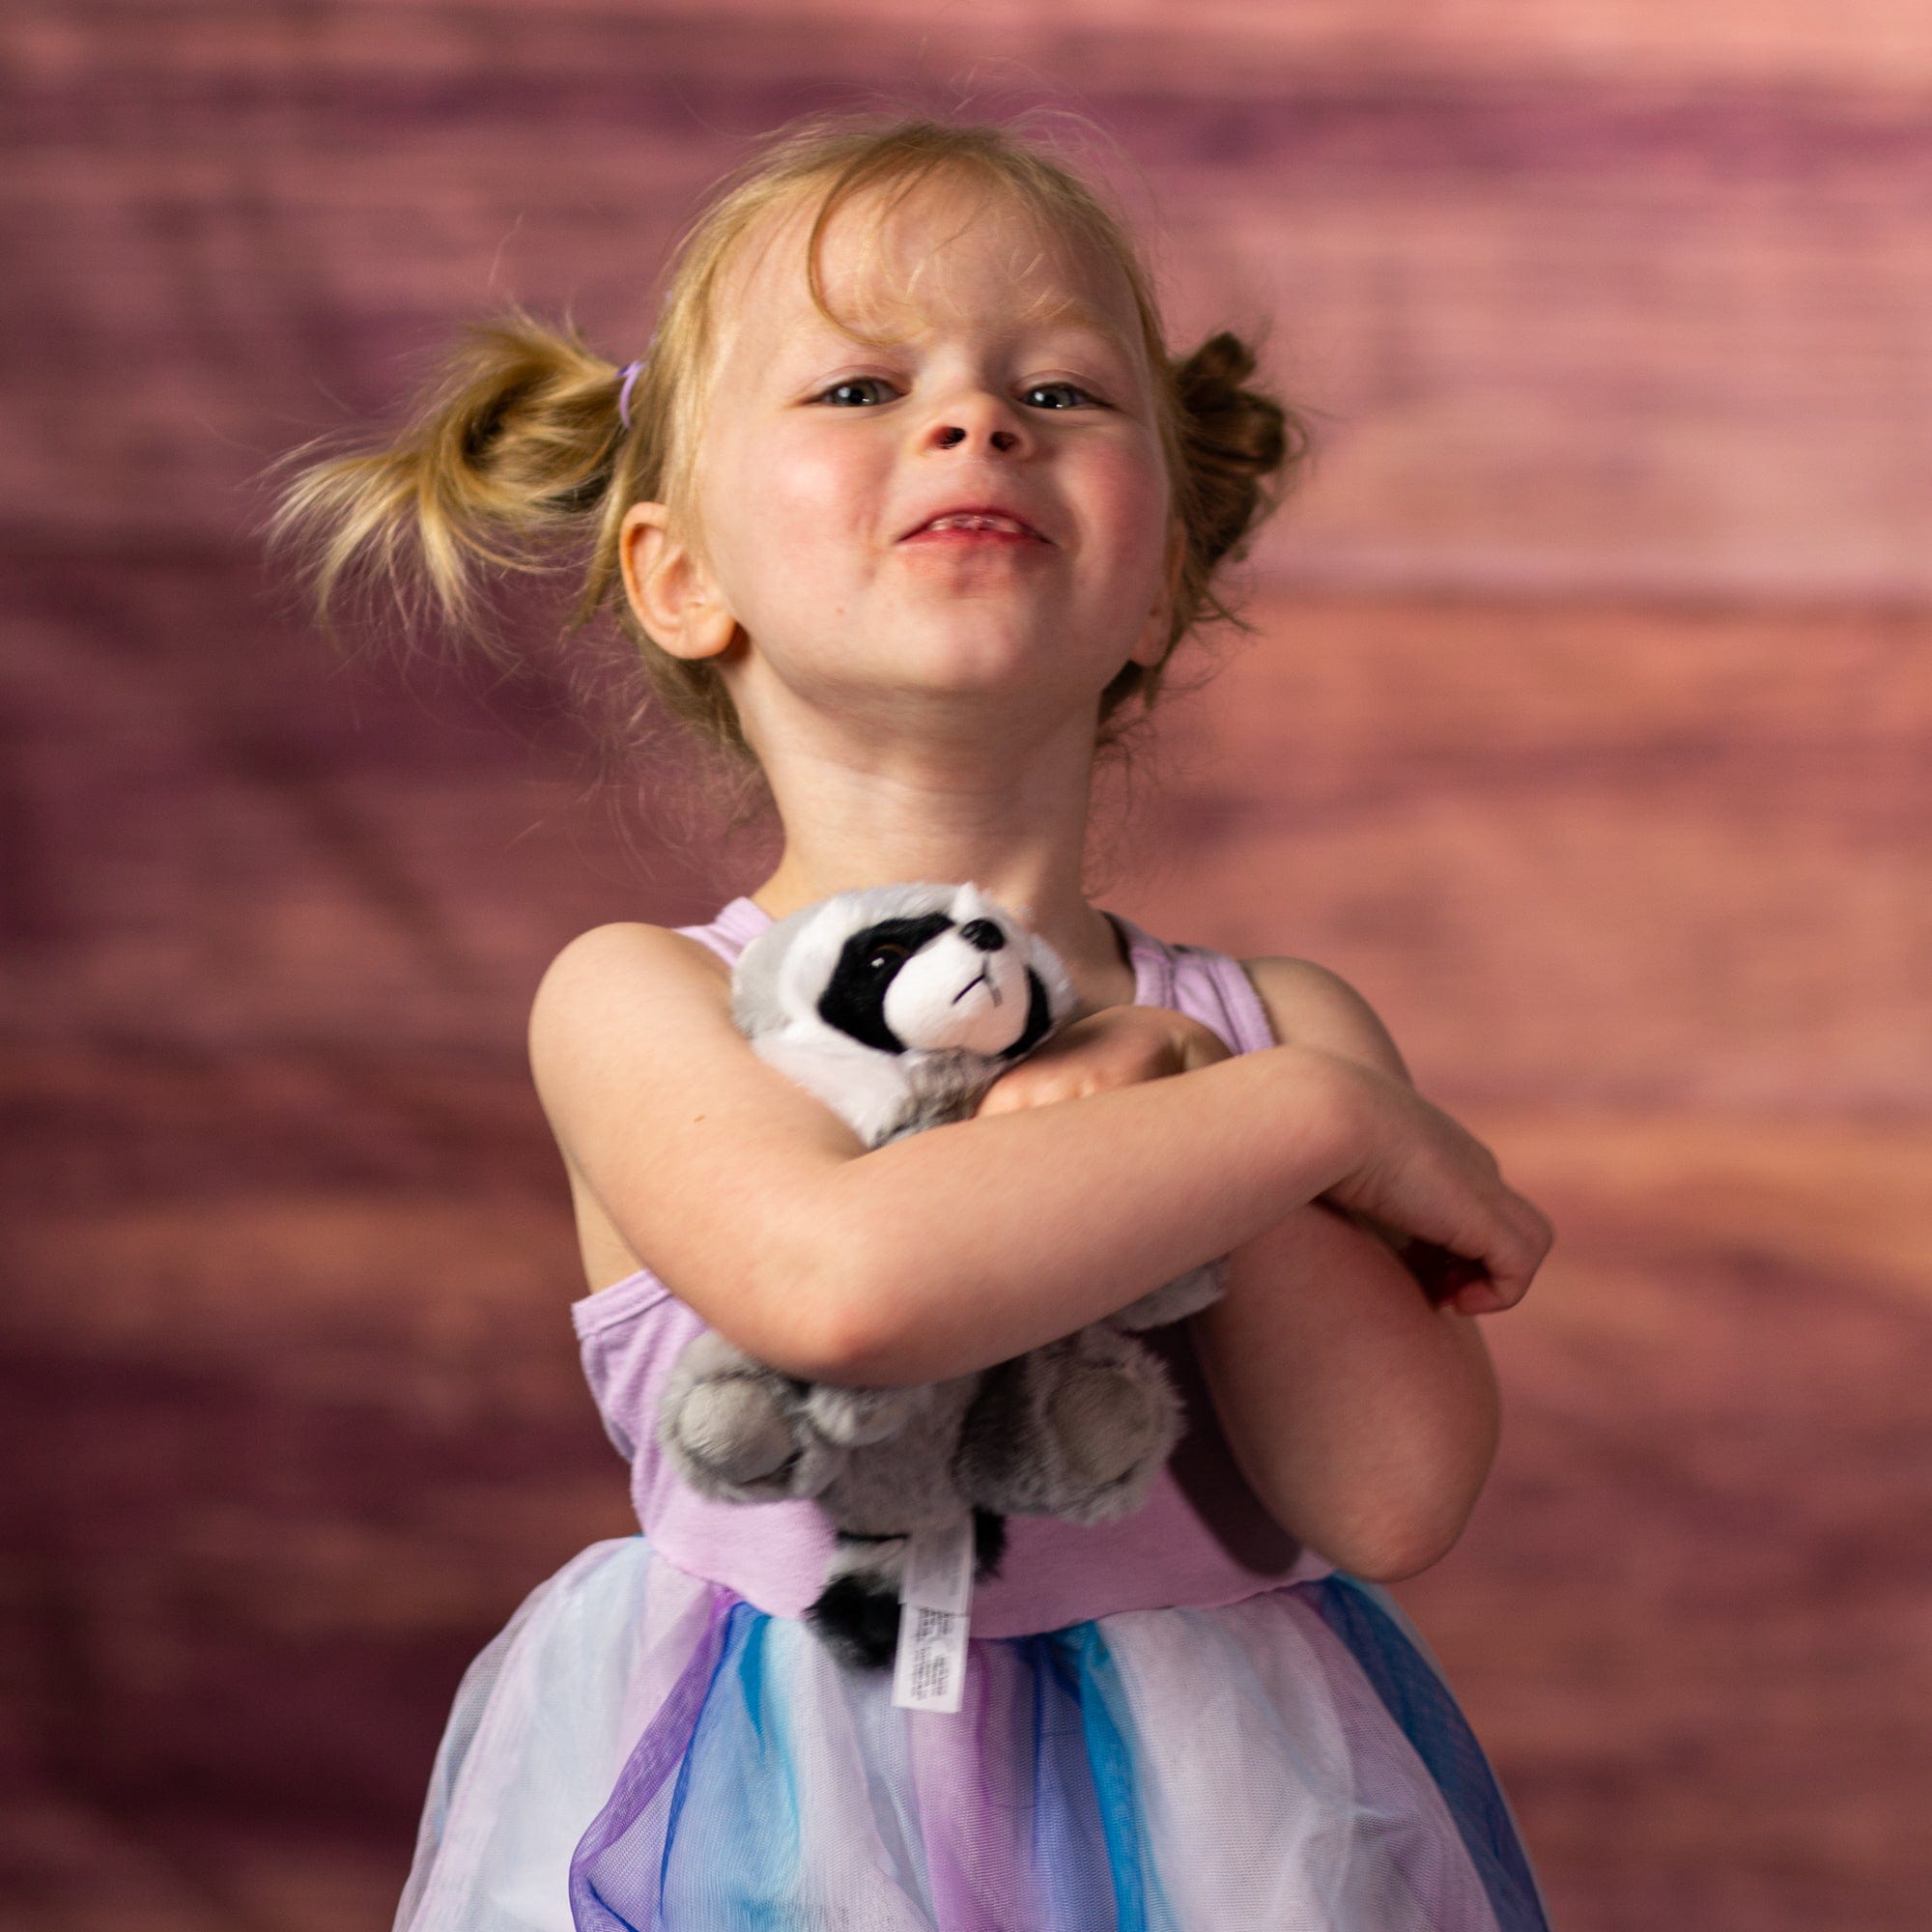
column 1077, row 312
column 1070, row 311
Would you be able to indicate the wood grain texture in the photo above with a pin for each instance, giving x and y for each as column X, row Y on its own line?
column 1585, row 729
column 1568, row 324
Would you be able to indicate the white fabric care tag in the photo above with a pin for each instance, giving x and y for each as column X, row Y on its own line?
column 935, row 1599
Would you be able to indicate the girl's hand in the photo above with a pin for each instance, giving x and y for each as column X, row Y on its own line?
column 1474, row 1239
column 1118, row 1047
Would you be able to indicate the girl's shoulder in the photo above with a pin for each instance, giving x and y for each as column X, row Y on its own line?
column 618, row 1006
column 627, row 999
column 631, row 963
column 1309, row 1005
column 627, row 950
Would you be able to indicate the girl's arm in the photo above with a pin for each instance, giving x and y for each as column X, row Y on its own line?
column 1364, row 1417
column 959, row 1247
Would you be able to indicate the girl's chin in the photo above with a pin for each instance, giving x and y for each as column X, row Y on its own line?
column 988, row 657
column 981, row 647
column 1028, row 674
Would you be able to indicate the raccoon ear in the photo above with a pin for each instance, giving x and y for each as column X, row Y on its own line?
column 1039, row 1018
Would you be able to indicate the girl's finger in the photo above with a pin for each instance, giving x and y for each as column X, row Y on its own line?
column 1440, row 1272
column 1513, row 1268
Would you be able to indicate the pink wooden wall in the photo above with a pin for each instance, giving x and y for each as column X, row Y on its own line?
column 1586, row 731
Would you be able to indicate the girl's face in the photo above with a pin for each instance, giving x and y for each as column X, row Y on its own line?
column 1016, row 386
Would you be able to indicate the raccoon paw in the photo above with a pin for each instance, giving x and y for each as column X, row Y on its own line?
column 1113, row 1424
column 736, row 1433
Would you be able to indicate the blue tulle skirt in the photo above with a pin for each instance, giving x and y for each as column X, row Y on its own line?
column 642, row 1748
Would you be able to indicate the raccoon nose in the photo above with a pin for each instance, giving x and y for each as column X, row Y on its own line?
column 983, row 933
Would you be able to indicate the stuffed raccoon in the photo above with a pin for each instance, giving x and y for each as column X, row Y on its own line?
column 898, row 1006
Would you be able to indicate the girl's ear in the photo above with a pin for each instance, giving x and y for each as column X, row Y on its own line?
column 675, row 597
column 1152, row 645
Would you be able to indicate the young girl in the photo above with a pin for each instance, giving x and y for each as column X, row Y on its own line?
column 906, row 501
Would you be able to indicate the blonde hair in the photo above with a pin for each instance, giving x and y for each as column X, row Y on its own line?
column 514, row 458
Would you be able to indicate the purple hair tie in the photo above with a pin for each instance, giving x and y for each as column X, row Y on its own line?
column 629, row 372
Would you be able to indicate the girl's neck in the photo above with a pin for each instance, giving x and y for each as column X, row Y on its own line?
column 1002, row 808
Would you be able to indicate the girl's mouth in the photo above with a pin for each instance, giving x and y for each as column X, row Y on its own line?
column 956, row 538
column 976, row 526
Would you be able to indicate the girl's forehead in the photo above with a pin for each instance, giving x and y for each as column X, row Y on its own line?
column 945, row 249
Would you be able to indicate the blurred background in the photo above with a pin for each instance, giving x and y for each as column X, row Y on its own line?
column 1585, row 730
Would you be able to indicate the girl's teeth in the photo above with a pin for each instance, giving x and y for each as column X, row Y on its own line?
column 976, row 523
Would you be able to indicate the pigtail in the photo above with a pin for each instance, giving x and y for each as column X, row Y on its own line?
column 1240, row 449
column 503, row 460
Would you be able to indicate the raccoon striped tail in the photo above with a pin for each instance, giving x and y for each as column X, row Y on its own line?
column 857, row 1614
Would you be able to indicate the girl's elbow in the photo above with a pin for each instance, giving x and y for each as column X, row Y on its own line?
column 851, row 1353
column 798, row 1301
column 1392, row 1553
column 858, row 1299
column 1395, row 1538
column 1399, row 1541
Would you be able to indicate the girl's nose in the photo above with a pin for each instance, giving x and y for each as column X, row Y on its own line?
column 999, row 439
column 980, row 419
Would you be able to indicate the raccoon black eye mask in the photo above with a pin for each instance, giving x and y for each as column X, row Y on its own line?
column 898, row 1006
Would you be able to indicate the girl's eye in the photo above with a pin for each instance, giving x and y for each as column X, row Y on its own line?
column 861, row 392
column 840, row 392
column 1070, row 388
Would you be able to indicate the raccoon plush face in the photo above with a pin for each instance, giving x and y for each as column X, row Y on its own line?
column 934, row 983
column 896, row 997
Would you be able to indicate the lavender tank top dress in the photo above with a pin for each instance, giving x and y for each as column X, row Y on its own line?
column 1181, row 1722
